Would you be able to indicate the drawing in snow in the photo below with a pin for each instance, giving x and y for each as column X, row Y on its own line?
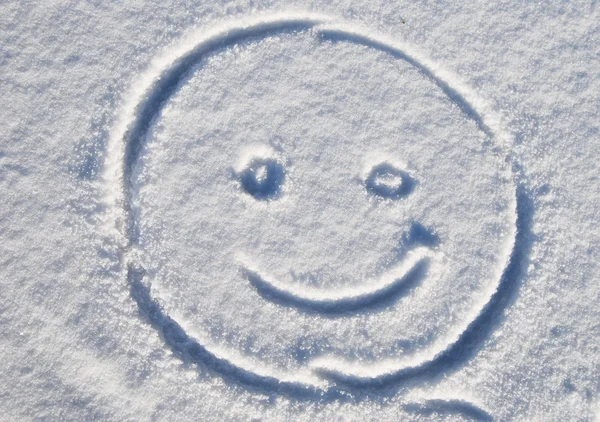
column 293, row 172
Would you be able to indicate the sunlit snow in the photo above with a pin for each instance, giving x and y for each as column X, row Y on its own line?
column 272, row 211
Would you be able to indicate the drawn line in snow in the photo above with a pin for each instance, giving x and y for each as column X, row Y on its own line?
column 439, row 407
column 157, row 86
column 191, row 350
column 143, row 107
column 389, row 182
column 341, row 33
column 467, row 342
column 395, row 283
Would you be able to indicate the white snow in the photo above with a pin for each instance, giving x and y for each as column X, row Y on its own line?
column 272, row 211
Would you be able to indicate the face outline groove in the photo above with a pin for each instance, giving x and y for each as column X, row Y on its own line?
column 144, row 109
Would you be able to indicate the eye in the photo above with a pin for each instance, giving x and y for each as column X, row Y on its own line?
column 262, row 178
column 386, row 181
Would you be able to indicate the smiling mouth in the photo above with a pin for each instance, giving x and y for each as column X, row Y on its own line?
column 388, row 288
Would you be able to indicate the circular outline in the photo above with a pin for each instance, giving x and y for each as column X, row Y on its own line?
column 140, row 111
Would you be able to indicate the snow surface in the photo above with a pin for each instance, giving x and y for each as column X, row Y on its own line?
column 267, row 211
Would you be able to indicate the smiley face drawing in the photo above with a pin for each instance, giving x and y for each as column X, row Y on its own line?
column 311, row 205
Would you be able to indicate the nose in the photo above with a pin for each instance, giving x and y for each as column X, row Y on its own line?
column 419, row 235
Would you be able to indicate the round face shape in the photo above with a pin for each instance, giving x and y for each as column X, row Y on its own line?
column 310, row 205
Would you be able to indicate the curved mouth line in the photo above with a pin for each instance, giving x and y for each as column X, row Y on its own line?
column 379, row 293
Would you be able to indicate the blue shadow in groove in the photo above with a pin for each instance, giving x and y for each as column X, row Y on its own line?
column 191, row 351
column 465, row 106
column 375, row 183
column 370, row 302
column 449, row 407
column 269, row 186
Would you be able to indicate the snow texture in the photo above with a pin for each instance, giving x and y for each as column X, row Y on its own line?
column 271, row 211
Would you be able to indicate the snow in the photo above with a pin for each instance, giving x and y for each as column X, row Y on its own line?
column 261, row 211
